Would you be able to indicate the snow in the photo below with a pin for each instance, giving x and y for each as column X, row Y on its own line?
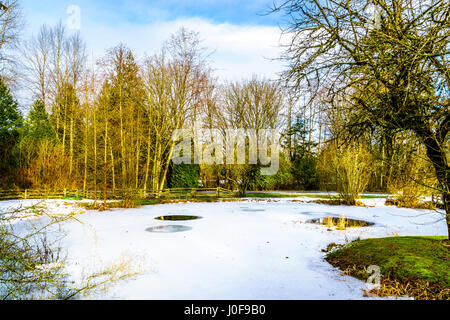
column 232, row 252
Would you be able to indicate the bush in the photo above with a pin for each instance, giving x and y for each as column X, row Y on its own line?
column 283, row 179
column 349, row 167
column 413, row 179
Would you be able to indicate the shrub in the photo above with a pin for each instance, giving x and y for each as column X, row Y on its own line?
column 349, row 167
column 283, row 179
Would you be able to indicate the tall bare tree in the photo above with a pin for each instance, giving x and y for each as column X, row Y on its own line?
column 11, row 23
column 388, row 60
column 36, row 55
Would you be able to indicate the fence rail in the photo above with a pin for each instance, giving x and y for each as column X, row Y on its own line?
column 115, row 194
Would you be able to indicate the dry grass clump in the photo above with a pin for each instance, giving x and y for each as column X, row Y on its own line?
column 420, row 290
column 389, row 287
column 122, row 204
column 339, row 202
column 411, row 202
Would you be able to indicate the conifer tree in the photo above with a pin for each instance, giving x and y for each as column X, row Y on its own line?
column 10, row 124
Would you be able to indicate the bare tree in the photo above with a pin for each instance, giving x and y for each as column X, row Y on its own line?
column 175, row 83
column 387, row 60
column 251, row 104
column 36, row 55
column 11, row 23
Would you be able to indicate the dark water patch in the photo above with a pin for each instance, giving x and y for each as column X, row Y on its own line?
column 168, row 229
column 177, row 218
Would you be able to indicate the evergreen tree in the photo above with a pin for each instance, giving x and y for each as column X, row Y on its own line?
column 39, row 126
column 301, row 155
column 10, row 117
column 184, row 176
column 10, row 124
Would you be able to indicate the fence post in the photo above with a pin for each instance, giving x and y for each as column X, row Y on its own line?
column 218, row 192
column 64, row 192
column 25, row 195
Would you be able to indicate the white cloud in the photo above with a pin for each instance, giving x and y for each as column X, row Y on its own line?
column 239, row 51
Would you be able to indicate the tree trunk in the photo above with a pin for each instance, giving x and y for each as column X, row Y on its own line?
column 438, row 158
column 71, row 147
column 105, row 164
column 85, row 154
column 95, row 160
column 446, row 201
column 122, row 145
column 112, row 167
column 147, row 166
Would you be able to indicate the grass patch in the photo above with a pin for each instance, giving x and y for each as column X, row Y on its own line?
column 307, row 195
column 283, row 195
column 372, row 197
column 72, row 198
column 414, row 266
column 173, row 200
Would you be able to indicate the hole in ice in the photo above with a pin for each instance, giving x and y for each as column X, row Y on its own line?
column 340, row 222
column 168, row 229
column 177, row 218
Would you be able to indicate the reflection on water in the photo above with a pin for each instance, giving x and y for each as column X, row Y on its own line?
column 341, row 222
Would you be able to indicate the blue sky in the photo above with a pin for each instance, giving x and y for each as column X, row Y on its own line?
column 243, row 38
column 145, row 11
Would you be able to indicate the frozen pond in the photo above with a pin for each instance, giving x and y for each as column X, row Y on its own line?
column 238, row 250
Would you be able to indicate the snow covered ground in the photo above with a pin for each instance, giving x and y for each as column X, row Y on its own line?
column 238, row 250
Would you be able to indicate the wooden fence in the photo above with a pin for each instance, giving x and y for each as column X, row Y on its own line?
column 115, row 194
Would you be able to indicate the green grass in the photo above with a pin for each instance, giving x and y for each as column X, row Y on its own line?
column 405, row 259
column 284, row 195
column 72, row 198
column 172, row 199
column 372, row 197
column 307, row 195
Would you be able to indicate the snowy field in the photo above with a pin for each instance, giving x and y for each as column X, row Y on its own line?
column 238, row 250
